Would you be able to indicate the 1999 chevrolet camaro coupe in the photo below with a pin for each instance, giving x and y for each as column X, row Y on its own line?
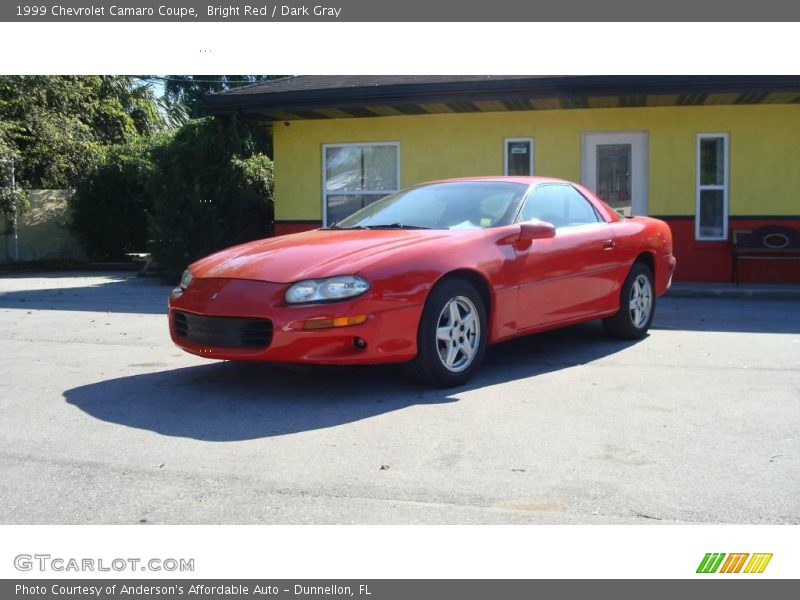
column 428, row 276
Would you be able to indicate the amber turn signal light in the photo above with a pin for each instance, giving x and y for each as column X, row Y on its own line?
column 336, row 322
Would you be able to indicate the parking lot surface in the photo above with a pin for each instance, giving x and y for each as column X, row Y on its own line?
column 103, row 420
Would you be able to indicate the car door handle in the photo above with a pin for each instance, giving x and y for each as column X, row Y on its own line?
column 609, row 244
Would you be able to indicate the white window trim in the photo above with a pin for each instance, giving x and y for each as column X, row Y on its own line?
column 724, row 187
column 530, row 140
column 353, row 192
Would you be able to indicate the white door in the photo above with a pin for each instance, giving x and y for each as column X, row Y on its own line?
column 614, row 166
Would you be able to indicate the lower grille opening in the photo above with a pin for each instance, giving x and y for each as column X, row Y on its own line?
column 223, row 332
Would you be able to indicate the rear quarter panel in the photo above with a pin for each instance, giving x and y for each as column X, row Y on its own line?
column 644, row 235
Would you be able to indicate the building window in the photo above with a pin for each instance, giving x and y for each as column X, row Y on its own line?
column 518, row 156
column 711, row 216
column 356, row 175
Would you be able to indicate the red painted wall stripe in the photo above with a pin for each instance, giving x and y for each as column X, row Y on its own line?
column 713, row 261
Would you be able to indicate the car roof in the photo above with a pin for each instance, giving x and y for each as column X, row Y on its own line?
column 609, row 215
column 526, row 180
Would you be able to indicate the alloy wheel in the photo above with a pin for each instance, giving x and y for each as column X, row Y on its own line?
column 458, row 334
column 641, row 301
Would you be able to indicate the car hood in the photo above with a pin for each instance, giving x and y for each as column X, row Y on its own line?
column 313, row 254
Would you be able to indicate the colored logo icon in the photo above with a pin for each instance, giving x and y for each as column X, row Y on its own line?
column 734, row 563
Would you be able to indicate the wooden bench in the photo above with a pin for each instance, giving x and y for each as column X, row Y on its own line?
column 142, row 257
column 772, row 242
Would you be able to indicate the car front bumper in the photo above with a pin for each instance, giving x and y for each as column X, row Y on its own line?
column 388, row 335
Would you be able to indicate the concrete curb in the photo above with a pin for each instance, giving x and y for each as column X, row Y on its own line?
column 765, row 292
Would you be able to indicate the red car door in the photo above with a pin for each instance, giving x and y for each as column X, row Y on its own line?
column 572, row 275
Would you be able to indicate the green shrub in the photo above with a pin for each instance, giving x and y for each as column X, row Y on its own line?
column 11, row 199
column 255, row 173
column 112, row 203
column 212, row 188
column 179, row 196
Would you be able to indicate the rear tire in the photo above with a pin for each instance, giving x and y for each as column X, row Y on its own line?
column 451, row 339
column 637, row 305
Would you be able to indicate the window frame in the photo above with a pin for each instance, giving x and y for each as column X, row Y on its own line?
column 530, row 140
column 699, row 187
column 380, row 194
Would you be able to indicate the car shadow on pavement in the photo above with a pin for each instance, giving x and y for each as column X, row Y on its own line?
column 547, row 352
column 225, row 401
column 114, row 293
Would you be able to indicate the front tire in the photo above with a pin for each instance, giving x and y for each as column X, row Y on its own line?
column 637, row 305
column 451, row 339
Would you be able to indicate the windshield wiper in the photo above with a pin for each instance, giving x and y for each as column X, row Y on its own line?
column 379, row 226
column 394, row 226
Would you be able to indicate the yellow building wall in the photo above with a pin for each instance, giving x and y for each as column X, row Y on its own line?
column 764, row 151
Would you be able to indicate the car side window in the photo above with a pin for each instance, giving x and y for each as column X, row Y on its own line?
column 546, row 203
column 579, row 209
column 559, row 204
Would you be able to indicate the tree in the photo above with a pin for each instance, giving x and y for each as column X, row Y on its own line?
column 59, row 125
column 211, row 188
column 189, row 190
column 112, row 204
column 189, row 90
column 12, row 198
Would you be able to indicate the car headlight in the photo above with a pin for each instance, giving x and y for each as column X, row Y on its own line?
column 186, row 279
column 326, row 290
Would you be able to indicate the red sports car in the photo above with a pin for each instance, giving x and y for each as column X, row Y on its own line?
column 428, row 276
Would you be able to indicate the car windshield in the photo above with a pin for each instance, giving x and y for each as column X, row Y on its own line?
column 447, row 205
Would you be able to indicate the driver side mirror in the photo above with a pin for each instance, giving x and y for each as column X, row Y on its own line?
column 536, row 230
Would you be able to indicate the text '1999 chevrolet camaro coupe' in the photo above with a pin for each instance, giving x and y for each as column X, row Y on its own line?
column 428, row 276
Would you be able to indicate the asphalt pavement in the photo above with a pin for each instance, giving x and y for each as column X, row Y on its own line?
column 103, row 420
